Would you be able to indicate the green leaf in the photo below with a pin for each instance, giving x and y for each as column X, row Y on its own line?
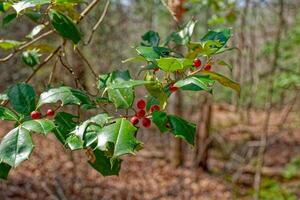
column 74, row 142
column 196, row 83
column 221, row 36
column 16, row 147
column 9, row 44
column 7, row 114
column 66, row 95
column 183, row 129
column 22, row 5
column 122, row 135
column 160, row 119
column 156, row 89
column 9, row 18
column 173, row 64
column 64, row 125
column 36, row 30
column 31, row 57
column 86, row 133
column 99, row 119
column 4, row 6
column 135, row 59
column 65, row 26
column 150, row 38
column 4, row 170
column 103, row 164
column 43, row 126
column 22, row 98
column 122, row 98
column 183, row 36
column 128, row 84
column 148, row 53
column 223, row 80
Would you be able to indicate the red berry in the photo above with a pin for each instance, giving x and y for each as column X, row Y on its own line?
column 173, row 88
column 50, row 113
column 146, row 122
column 35, row 114
column 197, row 63
column 156, row 70
column 207, row 67
column 134, row 120
column 155, row 107
column 141, row 113
column 141, row 104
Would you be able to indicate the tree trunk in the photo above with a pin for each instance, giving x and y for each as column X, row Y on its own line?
column 202, row 135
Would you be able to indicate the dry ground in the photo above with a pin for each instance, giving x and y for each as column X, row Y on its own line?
column 53, row 173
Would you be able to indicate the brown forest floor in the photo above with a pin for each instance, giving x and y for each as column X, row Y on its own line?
column 53, row 173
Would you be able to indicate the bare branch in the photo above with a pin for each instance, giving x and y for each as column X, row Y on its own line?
column 27, row 44
column 96, row 26
column 87, row 62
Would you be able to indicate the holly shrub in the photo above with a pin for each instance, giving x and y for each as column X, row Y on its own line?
column 107, row 136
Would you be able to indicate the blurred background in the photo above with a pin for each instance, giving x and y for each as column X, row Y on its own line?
column 248, row 147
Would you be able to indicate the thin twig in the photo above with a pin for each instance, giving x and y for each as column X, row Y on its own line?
column 70, row 70
column 96, row 26
column 27, row 44
column 52, row 72
column 169, row 9
column 87, row 9
column 87, row 62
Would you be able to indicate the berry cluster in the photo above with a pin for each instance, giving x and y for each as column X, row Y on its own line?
column 197, row 63
column 37, row 115
column 141, row 114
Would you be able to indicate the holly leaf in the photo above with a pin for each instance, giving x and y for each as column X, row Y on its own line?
column 103, row 164
column 31, row 57
column 135, row 59
column 16, row 146
column 66, row 95
column 74, row 142
column 183, row 129
column 122, row 135
column 9, row 18
column 183, row 36
column 223, row 80
column 64, row 125
column 86, row 133
column 36, row 30
column 196, row 83
column 148, row 53
column 127, row 84
column 65, row 26
column 99, row 120
column 123, row 97
column 152, row 53
column 7, row 114
column 156, row 90
column 150, row 38
column 160, row 119
column 174, row 64
column 43, row 126
column 216, row 39
column 4, row 170
column 22, row 98
column 9, row 44
column 22, row 5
